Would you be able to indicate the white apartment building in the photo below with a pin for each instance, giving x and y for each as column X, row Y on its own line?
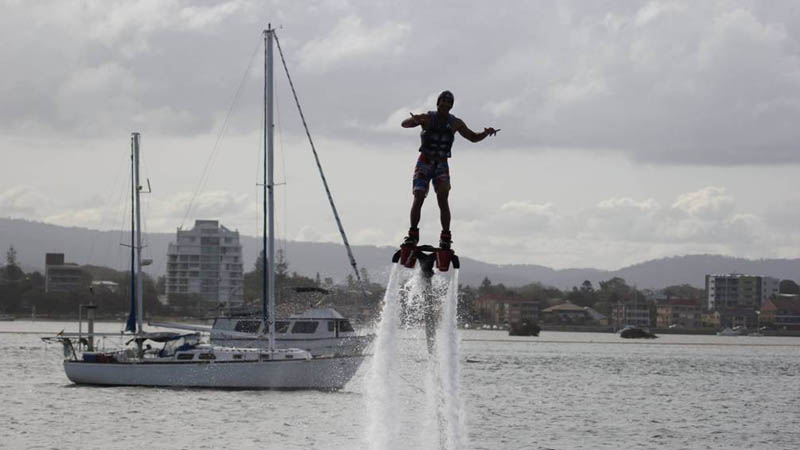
column 206, row 260
column 734, row 290
column 769, row 287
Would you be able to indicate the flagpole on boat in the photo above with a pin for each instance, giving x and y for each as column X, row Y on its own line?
column 269, row 217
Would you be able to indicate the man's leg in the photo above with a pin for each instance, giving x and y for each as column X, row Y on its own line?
column 416, row 207
column 423, row 172
column 442, row 193
column 442, row 186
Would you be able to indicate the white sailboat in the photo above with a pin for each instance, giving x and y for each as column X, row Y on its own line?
column 185, row 362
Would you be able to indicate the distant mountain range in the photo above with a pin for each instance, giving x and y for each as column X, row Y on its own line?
column 85, row 246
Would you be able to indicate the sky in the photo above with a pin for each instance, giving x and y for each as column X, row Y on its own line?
column 631, row 130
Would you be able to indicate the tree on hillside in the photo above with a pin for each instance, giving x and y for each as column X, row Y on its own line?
column 686, row 291
column 281, row 265
column 486, row 286
column 537, row 291
column 11, row 256
column 788, row 287
column 584, row 295
column 615, row 290
column 11, row 272
column 612, row 292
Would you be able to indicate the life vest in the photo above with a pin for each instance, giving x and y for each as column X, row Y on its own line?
column 437, row 138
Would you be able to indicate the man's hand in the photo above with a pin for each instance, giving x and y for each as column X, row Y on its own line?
column 490, row 131
column 418, row 118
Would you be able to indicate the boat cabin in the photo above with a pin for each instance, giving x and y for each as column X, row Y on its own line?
column 315, row 323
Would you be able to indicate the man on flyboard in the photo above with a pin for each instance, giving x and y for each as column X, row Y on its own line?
column 438, row 132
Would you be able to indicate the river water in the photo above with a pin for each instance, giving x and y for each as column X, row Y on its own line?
column 558, row 391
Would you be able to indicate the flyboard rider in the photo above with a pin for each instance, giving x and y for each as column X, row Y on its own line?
column 438, row 132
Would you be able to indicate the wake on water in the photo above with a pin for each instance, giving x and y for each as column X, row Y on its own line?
column 440, row 424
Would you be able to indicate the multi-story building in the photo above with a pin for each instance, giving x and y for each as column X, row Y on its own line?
column 630, row 313
column 522, row 310
column 498, row 310
column 566, row 313
column 60, row 276
column 770, row 287
column 680, row 312
column 738, row 291
column 206, row 260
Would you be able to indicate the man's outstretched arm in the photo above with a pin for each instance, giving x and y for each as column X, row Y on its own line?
column 414, row 120
column 472, row 136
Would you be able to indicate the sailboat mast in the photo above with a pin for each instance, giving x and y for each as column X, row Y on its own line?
column 137, row 191
column 269, row 216
column 131, row 323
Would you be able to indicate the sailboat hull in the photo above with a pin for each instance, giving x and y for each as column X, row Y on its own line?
column 316, row 373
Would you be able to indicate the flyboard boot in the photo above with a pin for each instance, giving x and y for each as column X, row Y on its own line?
column 408, row 249
column 445, row 254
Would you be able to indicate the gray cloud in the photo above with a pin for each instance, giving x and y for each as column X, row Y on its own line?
column 21, row 202
column 663, row 82
column 621, row 230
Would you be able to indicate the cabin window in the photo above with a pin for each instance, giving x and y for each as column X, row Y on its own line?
column 237, row 356
column 248, row 326
column 344, row 326
column 281, row 326
column 331, row 326
column 206, row 356
column 185, row 356
column 305, row 327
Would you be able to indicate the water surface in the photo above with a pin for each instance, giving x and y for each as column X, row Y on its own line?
column 558, row 391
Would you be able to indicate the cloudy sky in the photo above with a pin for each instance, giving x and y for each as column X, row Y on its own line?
column 631, row 129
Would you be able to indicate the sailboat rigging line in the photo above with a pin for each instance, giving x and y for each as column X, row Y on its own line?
column 212, row 156
column 321, row 173
column 90, row 256
column 113, row 192
column 281, row 243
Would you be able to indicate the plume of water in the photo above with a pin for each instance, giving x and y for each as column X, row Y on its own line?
column 381, row 385
column 453, row 430
column 439, row 419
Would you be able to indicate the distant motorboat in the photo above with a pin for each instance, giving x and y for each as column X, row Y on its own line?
column 735, row 331
column 636, row 333
column 524, row 329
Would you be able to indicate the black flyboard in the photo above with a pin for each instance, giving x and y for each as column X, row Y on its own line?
column 428, row 257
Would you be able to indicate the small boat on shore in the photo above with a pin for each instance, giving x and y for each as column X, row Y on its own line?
column 636, row 333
